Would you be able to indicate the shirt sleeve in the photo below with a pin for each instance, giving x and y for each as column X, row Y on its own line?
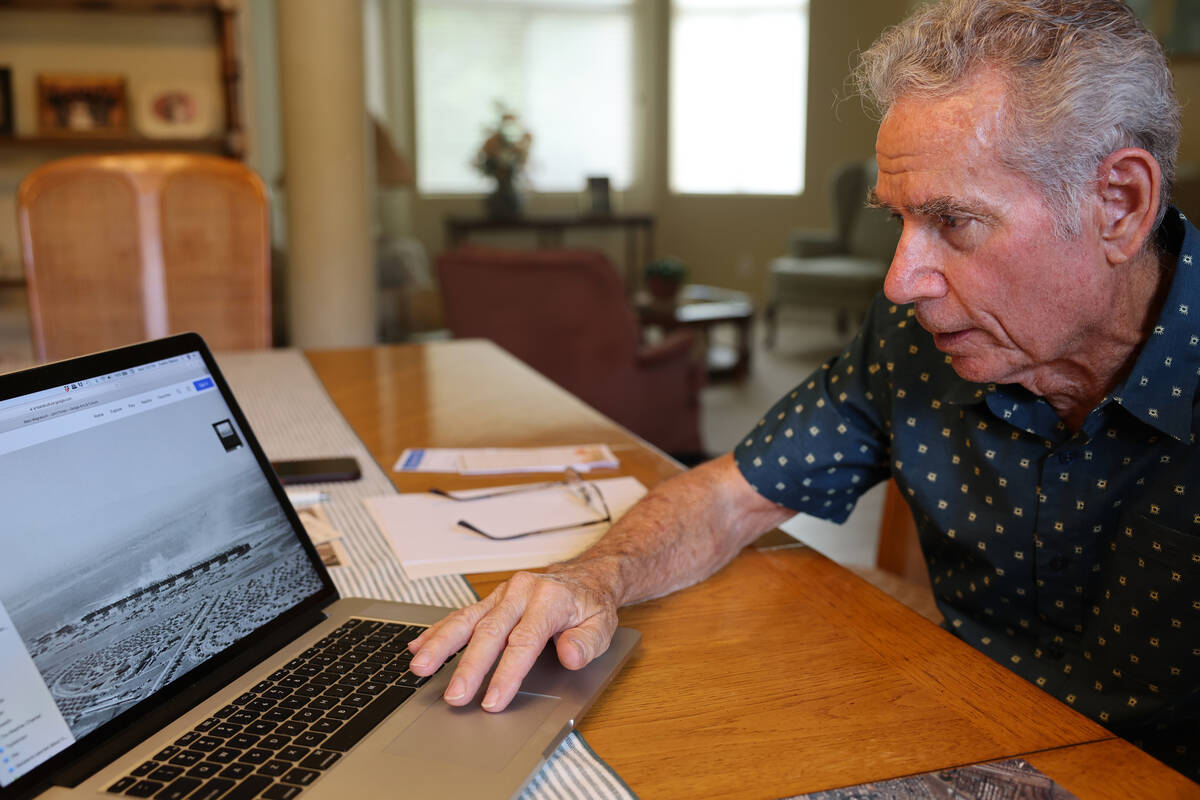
column 825, row 443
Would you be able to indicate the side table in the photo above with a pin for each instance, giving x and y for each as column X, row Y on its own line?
column 701, row 308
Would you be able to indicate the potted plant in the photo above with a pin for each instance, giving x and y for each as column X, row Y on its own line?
column 502, row 157
column 665, row 277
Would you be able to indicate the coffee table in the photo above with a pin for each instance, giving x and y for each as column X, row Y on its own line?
column 702, row 308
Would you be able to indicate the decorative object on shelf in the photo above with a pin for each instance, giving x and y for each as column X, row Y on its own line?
column 599, row 200
column 178, row 110
column 82, row 105
column 664, row 278
column 503, row 157
column 7, row 126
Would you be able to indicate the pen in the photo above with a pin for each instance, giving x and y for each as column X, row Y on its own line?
column 307, row 498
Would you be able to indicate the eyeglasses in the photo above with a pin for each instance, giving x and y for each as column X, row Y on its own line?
column 586, row 491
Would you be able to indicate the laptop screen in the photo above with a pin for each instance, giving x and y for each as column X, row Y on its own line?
column 140, row 537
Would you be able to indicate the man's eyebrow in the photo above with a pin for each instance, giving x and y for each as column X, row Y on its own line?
column 944, row 206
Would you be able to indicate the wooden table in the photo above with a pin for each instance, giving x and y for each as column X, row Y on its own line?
column 550, row 229
column 784, row 673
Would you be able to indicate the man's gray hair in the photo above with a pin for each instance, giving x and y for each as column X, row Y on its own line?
column 1085, row 79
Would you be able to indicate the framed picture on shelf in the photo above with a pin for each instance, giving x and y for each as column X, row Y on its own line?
column 7, row 128
column 82, row 105
column 180, row 110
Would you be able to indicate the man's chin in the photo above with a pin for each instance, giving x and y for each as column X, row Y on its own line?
column 977, row 370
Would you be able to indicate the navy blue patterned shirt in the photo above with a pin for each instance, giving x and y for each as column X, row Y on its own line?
column 1073, row 558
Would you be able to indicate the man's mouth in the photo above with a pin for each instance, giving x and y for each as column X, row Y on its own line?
column 946, row 341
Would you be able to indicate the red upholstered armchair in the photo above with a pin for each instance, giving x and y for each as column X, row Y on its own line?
column 564, row 313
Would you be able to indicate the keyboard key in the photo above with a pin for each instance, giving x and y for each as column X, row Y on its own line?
column 187, row 738
column 187, row 758
column 256, row 755
column 205, row 769
column 338, row 691
column 243, row 741
column 292, row 702
column 124, row 783
column 309, row 739
column 341, row 713
column 227, row 711
column 260, row 728
column 225, row 730
column 290, row 728
column 224, row 755
column 277, row 714
column 323, row 703
column 207, row 724
column 245, row 698
column 320, row 759
column 281, row 791
column 307, row 715
column 143, row 789
column 243, row 717
column 368, row 718
column 165, row 773
column 276, row 693
column 293, row 753
column 212, row 790
column 411, row 679
column 145, row 769
column 274, row 741
column 357, row 700
column 274, row 768
column 237, row 770
column 325, row 726
column 301, row 777
column 207, row 744
column 178, row 789
column 248, row 788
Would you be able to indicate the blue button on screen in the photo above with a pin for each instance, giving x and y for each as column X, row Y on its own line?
column 202, row 384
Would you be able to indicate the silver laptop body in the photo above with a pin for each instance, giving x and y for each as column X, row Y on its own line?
column 167, row 629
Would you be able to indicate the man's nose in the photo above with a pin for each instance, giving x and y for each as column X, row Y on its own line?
column 914, row 273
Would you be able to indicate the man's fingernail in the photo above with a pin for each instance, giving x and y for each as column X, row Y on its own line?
column 456, row 689
column 491, row 698
column 421, row 661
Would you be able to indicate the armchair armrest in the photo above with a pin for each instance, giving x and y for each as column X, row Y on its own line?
column 678, row 345
column 810, row 243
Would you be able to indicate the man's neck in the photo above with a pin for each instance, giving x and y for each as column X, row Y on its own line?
column 1077, row 384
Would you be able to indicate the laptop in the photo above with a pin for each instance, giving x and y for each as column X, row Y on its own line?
column 167, row 629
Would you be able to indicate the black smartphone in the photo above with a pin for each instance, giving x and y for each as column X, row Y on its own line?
column 317, row 470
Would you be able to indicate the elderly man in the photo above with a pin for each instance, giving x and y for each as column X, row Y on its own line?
column 1029, row 380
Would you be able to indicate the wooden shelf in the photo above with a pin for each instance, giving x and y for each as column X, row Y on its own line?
column 106, row 142
column 132, row 6
column 231, row 142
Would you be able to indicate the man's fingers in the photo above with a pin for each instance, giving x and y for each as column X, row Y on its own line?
column 579, row 645
column 549, row 610
column 447, row 636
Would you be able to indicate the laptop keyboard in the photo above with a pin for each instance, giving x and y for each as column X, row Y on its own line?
column 281, row 735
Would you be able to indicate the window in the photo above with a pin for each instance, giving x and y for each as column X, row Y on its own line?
column 565, row 67
column 738, row 89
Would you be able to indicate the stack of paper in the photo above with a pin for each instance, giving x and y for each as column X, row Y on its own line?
column 494, row 460
column 423, row 528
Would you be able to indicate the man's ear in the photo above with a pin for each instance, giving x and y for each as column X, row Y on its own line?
column 1128, row 183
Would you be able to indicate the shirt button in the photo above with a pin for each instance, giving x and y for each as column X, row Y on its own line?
column 1066, row 457
column 1058, row 563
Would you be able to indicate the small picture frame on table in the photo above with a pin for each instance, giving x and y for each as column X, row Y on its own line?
column 82, row 105
column 599, row 198
column 7, row 125
column 174, row 110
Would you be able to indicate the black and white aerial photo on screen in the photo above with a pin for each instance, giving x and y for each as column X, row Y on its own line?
column 157, row 551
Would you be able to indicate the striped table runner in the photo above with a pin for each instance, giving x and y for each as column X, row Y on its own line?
column 293, row 417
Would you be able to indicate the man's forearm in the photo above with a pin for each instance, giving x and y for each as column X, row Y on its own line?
column 683, row 531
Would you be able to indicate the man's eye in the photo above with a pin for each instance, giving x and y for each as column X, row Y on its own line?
column 896, row 218
column 950, row 221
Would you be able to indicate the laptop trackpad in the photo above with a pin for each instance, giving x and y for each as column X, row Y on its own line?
column 470, row 735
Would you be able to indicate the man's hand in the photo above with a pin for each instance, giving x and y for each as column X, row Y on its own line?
column 514, row 623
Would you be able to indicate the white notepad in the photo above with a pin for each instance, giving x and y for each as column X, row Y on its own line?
column 424, row 532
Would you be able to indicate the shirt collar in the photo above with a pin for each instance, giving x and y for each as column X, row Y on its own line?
column 1162, row 385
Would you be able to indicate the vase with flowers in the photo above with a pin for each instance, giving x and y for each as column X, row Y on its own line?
column 502, row 158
